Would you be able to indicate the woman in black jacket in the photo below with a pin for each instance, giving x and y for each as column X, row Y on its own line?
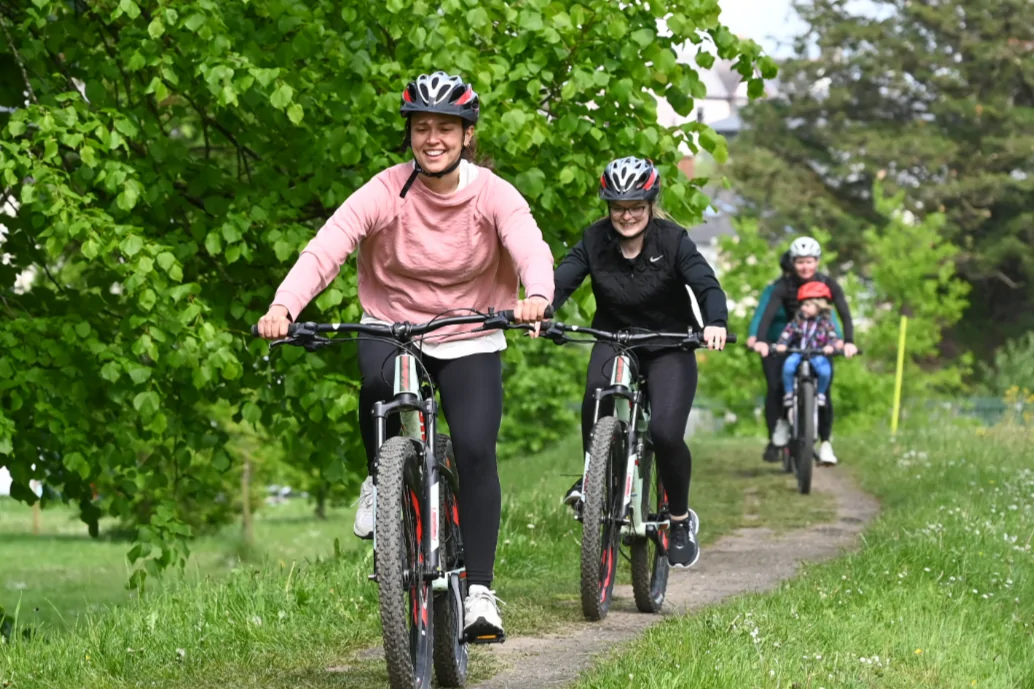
column 640, row 264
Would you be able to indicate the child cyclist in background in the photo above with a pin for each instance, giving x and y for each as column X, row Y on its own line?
column 812, row 328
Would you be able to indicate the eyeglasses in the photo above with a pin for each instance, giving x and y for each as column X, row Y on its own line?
column 635, row 212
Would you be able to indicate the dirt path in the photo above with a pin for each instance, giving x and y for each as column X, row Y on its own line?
column 746, row 561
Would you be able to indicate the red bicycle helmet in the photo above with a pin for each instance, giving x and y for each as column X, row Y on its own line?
column 814, row 290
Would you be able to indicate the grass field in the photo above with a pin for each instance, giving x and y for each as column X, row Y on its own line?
column 941, row 594
column 285, row 622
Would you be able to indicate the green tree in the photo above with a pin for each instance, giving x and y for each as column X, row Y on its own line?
column 173, row 157
column 940, row 96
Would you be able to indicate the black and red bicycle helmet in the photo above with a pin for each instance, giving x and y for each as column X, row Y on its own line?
column 630, row 179
column 441, row 93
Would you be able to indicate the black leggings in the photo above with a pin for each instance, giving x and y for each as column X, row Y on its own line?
column 671, row 380
column 471, row 390
column 772, row 365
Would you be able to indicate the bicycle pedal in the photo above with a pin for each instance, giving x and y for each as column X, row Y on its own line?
column 481, row 639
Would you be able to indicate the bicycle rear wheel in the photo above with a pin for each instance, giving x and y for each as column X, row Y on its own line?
column 600, row 532
column 649, row 556
column 806, row 435
column 404, row 593
column 450, row 651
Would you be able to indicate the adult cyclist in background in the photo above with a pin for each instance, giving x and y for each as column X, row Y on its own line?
column 805, row 253
column 640, row 263
column 772, row 365
column 435, row 233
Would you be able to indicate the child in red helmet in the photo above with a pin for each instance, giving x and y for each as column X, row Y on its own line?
column 812, row 328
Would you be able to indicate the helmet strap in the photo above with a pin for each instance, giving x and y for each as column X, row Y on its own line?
column 417, row 170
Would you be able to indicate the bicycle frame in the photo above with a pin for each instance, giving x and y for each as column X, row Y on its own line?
column 631, row 409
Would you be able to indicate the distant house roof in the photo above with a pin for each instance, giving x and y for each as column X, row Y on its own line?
column 730, row 126
column 717, row 220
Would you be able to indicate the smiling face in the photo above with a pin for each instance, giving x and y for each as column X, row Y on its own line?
column 805, row 267
column 629, row 218
column 810, row 308
column 438, row 140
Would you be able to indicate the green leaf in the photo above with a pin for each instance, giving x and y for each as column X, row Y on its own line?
column 140, row 374
column 705, row 59
column 131, row 9
column 251, row 413
column 281, row 97
column 769, row 68
column 110, row 372
column 88, row 156
column 146, row 403
column 213, row 243
column 130, row 195
column 82, row 328
column 644, row 37
column 156, row 28
column 16, row 127
column 131, row 245
column 194, row 22
column 755, row 88
column 74, row 461
column 295, row 113
column 530, row 20
column 166, row 261
column 147, row 299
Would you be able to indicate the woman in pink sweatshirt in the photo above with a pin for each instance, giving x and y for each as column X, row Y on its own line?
column 434, row 234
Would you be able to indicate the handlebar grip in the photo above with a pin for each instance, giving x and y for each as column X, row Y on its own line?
column 507, row 314
column 254, row 331
column 730, row 338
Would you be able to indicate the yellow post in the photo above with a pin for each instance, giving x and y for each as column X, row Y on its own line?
column 898, row 378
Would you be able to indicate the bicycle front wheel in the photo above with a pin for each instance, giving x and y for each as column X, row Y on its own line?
column 600, row 531
column 806, row 435
column 404, row 592
column 649, row 555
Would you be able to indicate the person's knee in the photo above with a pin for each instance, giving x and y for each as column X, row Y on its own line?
column 667, row 437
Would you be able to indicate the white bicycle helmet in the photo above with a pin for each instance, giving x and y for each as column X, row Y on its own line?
column 804, row 247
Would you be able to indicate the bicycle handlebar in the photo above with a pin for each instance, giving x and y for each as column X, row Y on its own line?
column 557, row 332
column 401, row 331
column 809, row 350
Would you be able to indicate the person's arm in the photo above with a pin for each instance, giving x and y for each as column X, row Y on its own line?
column 775, row 303
column 840, row 301
column 701, row 279
column 522, row 238
column 755, row 322
column 322, row 258
column 569, row 275
column 788, row 334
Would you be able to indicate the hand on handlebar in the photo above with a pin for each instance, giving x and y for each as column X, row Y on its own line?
column 274, row 324
column 761, row 348
column 531, row 310
column 714, row 337
column 828, row 349
column 781, row 348
column 850, row 350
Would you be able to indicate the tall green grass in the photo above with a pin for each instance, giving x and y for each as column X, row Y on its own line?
column 940, row 595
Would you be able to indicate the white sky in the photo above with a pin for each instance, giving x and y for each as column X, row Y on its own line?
column 772, row 23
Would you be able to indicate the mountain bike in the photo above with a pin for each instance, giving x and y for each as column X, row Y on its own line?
column 621, row 497
column 418, row 547
column 803, row 416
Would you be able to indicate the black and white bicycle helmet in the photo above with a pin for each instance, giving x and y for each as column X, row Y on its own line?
column 630, row 179
column 441, row 93
column 805, row 247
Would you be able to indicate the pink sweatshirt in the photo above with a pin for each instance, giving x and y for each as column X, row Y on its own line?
column 426, row 253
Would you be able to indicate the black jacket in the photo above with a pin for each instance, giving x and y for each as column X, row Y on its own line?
column 648, row 291
column 785, row 295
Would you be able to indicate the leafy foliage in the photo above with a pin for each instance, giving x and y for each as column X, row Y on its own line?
column 912, row 270
column 173, row 157
column 940, row 96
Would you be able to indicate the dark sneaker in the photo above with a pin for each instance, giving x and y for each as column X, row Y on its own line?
column 574, row 495
column 771, row 453
column 683, row 551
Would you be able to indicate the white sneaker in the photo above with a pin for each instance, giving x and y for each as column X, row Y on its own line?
column 363, row 527
column 481, row 612
column 781, row 434
column 826, row 455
